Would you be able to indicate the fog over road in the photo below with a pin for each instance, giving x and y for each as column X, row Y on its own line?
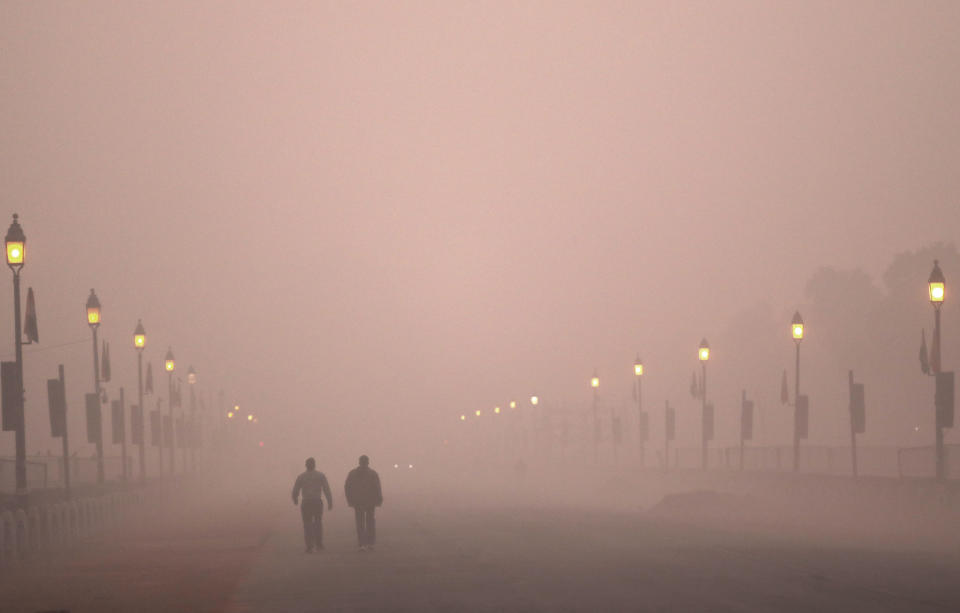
column 529, row 545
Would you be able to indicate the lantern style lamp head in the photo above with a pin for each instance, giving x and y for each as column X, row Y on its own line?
column 704, row 350
column 534, row 400
column 250, row 417
column 16, row 242
column 936, row 285
column 229, row 414
column 139, row 336
column 463, row 418
column 93, row 310
column 797, row 327
column 513, row 404
column 168, row 362
column 496, row 410
column 638, row 366
column 477, row 412
column 594, row 381
column 191, row 376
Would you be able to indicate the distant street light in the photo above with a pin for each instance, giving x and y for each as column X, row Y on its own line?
column 641, row 426
column 140, row 343
column 93, row 320
column 936, row 286
column 16, row 242
column 595, row 384
column 170, row 365
column 796, row 326
column 191, row 429
column 534, row 400
column 704, row 355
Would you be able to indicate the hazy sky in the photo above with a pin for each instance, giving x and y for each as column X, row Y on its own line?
column 396, row 211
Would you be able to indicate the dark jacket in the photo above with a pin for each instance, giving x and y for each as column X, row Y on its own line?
column 314, row 485
column 363, row 488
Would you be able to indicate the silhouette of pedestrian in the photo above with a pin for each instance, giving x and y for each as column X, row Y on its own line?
column 314, row 486
column 363, row 494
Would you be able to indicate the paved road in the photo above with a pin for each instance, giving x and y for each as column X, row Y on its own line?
column 584, row 560
column 240, row 552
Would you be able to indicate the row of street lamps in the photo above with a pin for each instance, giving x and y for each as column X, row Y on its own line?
column 943, row 402
column 15, row 242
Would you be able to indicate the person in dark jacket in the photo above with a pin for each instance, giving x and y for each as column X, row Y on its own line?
column 363, row 494
column 314, row 486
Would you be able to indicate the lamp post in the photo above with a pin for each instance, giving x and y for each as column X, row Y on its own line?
column 704, row 355
column 140, row 343
column 595, row 384
column 170, row 365
column 796, row 327
column 93, row 320
column 191, row 438
column 16, row 242
column 641, row 431
column 937, row 291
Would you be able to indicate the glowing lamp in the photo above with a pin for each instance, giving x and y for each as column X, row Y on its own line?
column 477, row 412
column 513, row 404
column 797, row 326
column 249, row 417
column 16, row 242
column 229, row 414
column 93, row 310
column 704, row 351
column 638, row 367
column 534, row 400
column 168, row 362
column 936, row 284
column 496, row 410
column 139, row 336
column 595, row 381
column 463, row 418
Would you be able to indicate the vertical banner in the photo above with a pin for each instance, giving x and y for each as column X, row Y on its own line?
column 117, row 421
column 12, row 405
column 802, row 416
column 944, row 399
column 136, row 424
column 155, row 428
column 858, row 408
column 93, row 417
column 57, row 402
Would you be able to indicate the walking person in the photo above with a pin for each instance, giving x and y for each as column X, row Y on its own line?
column 363, row 494
column 314, row 486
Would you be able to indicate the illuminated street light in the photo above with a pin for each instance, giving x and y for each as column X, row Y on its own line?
column 704, row 355
column 250, row 417
column 93, row 320
column 229, row 414
column 641, row 424
column 16, row 242
column 140, row 343
column 169, row 364
column 496, row 410
column 513, row 404
column 463, row 418
column 477, row 412
column 936, row 287
column 534, row 400
column 796, row 327
column 595, row 384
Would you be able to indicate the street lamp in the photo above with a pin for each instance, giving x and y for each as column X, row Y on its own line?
column 534, row 400
column 16, row 242
column 140, row 343
column 497, row 410
column 937, row 291
column 191, row 442
column 641, row 429
column 704, row 355
column 796, row 327
column 595, row 384
column 93, row 320
column 170, row 365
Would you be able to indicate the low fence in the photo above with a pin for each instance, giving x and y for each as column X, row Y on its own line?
column 50, row 527
column 44, row 471
column 878, row 461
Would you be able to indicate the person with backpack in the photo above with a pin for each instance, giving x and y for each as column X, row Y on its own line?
column 313, row 484
column 364, row 495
